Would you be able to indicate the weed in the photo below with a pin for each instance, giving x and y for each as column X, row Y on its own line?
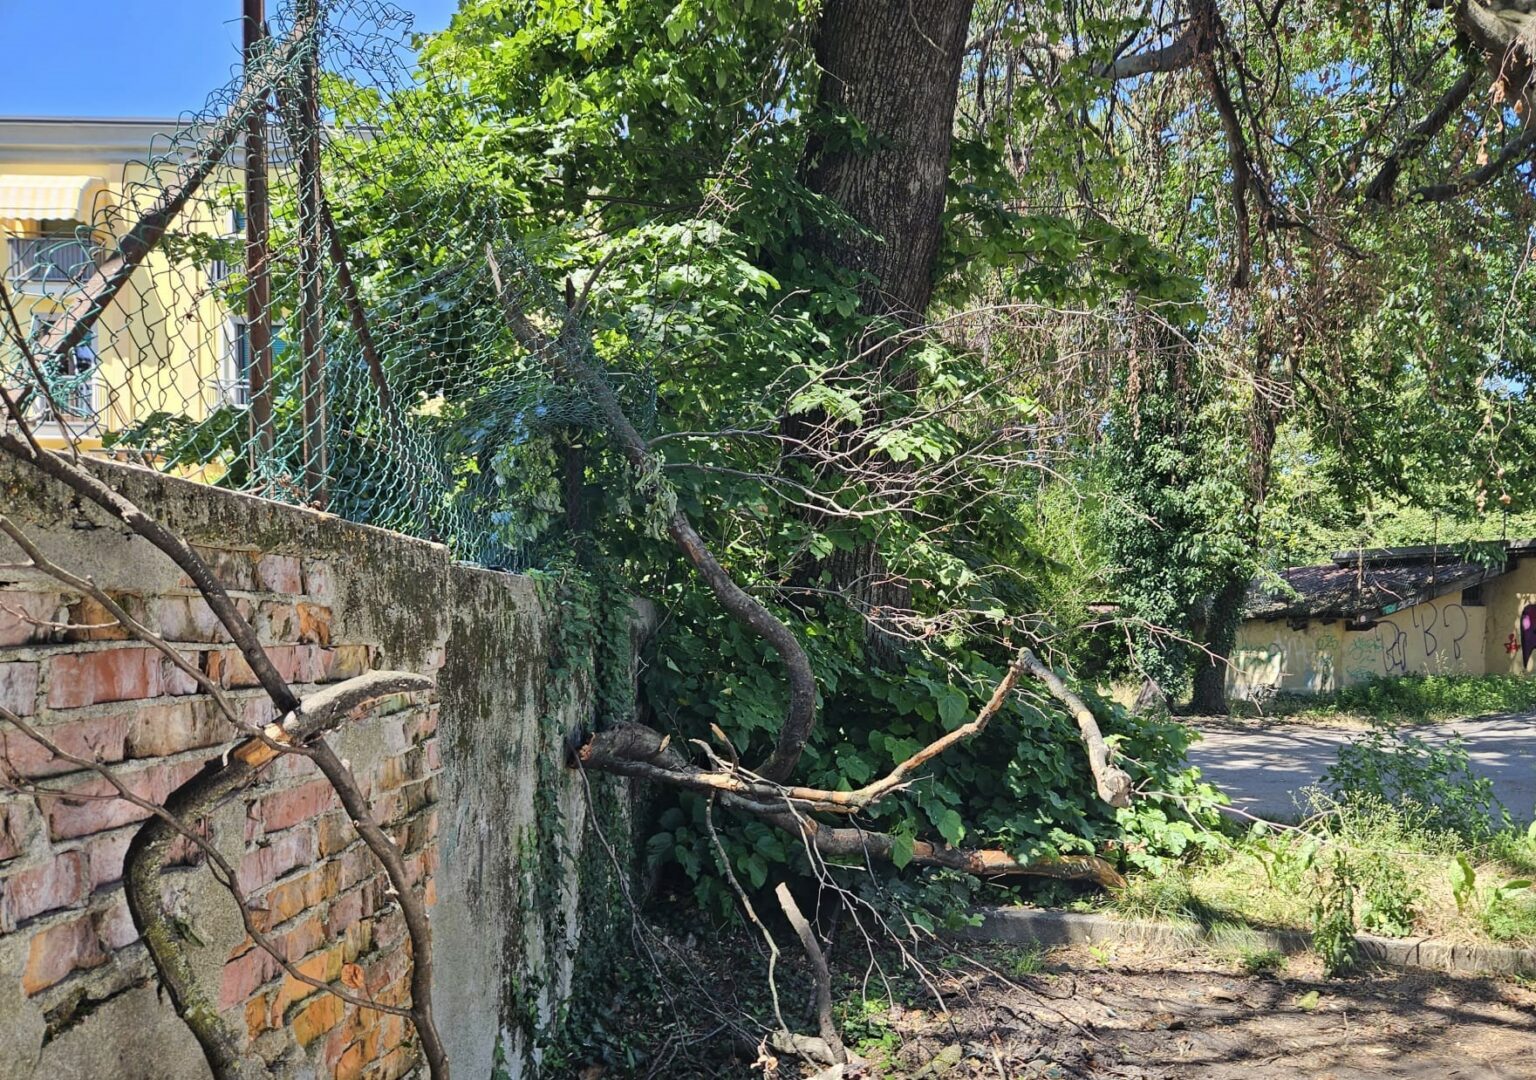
column 866, row 1026
column 1416, row 698
column 1027, row 960
column 1333, row 917
column 1262, row 961
column 1434, row 785
column 1387, row 899
column 1103, row 954
column 1164, row 896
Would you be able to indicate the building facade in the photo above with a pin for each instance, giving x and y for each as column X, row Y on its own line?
column 170, row 344
column 1393, row 611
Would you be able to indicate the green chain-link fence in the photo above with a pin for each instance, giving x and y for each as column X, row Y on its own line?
column 319, row 327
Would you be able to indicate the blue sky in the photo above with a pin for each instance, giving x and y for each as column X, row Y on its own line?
column 143, row 58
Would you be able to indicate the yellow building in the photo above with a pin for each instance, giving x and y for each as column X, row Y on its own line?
column 1392, row 611
column 170, row 343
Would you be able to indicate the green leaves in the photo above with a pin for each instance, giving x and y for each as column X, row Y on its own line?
column 953, row 707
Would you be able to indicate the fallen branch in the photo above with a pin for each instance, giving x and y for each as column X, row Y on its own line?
column 823, row 974
column 222, row 779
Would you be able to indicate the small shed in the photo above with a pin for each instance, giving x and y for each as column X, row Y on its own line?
column 1429, row 609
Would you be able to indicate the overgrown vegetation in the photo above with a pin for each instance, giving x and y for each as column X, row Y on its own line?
column 1408, row 699
column 1406, row 841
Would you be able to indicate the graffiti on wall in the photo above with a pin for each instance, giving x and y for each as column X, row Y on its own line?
column 1527, row 634
column 1366, row 657
column 1441, row 633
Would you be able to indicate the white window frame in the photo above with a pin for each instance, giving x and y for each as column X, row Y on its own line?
column 233, row 385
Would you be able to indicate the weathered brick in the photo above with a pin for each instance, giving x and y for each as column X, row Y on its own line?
column 78, row 679
column 314, row 624
column 300, row 939
column 159, row 730
column 434, row 755
column 324, row 965
column 287, row 898
column 244, row 975
column 228, row 668
column 14, row 817
column 384, row 971
column 63, row 881
column 90, row 621
column 59, row 950
column 100, row 739
column 335, row 832
column 18, row 686
column 282, row 853
column 316, row 1018
column 256, row 1015
column 345, row 910
column 92, row 805
column 279, row 574
column 356, row 940
column 23, row 612
column 350, row 1065
column 342, row 662
column 301, row 623
column 399, row 1062
column 115, row 928
column 184, row 618
column 278, row 621
column 106, row 853
column 234, row 569
column 418, row 832
column 318, row 579
column 286, row 808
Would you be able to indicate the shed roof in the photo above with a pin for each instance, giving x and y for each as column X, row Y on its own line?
column 1366, row 584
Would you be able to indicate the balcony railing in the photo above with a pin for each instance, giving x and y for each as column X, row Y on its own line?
column 49, row 260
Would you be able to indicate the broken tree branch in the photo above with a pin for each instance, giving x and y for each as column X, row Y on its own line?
column 819, row 967
column 800, row 715
column 222, row 779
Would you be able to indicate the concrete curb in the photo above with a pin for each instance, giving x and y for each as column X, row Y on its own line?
column 1030, row 925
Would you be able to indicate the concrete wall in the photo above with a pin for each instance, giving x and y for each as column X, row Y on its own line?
column 1506, row 598
column 1440, row 637
column 469, row 780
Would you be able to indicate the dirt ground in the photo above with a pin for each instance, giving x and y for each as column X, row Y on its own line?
column 1130, row 1014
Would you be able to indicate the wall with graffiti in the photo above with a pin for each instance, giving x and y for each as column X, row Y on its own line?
column 1442, row 636
column 1510, row 642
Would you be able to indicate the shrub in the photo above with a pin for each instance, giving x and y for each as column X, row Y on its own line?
column 1433, row 784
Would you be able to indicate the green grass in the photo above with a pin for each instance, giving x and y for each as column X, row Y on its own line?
column 1401, row 877
column 1411, row 699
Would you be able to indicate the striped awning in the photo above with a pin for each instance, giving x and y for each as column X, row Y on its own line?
column 26, row 198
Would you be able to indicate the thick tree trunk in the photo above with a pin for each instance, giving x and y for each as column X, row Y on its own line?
column 894, row 67
column 1209, row 696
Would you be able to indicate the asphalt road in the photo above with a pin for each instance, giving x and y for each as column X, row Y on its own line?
column 1263, row 768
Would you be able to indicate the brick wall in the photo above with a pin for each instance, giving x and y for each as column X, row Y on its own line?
column 329, row 600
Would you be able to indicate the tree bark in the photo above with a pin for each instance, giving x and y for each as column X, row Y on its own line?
column 1209, row 694
column 893, row 66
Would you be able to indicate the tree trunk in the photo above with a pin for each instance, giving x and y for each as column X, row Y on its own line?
column 894, row 67
column 1209, row 696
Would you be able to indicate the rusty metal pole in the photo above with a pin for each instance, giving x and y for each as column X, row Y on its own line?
column 258, row 291
column 311, row 245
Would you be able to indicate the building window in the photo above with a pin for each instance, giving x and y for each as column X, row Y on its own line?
column 56, row 256
column 72, row 378
column 1472, row 596
column 234, row 380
